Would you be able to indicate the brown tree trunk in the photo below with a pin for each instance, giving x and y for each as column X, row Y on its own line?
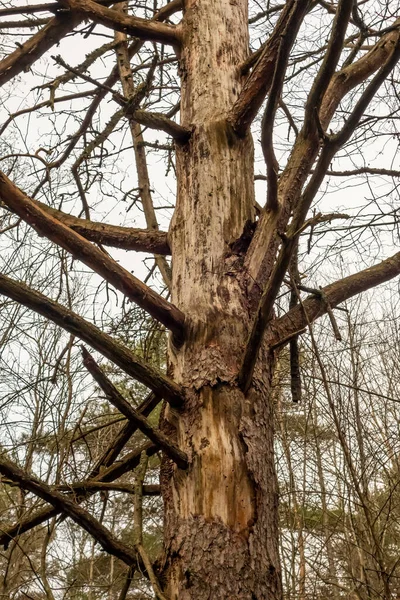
column 221, row 515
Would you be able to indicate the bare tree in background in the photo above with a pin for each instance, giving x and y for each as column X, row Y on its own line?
column 238, row 287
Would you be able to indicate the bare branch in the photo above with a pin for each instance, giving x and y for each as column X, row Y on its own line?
column 287, row 39
column 90, row 255
column 259, row 81
column 135, row 26
column 352, row 75
column 161, row 122
column 156, row 436
column 103, row 343
column 98, row 486
column 25, row 55
column 334, row 294
column 289, row 241
column 328, row 66
column 108, row 541
column 265, row 241
column 126, row 238
column 124, row 435
column 126, row 78
column 113, row 472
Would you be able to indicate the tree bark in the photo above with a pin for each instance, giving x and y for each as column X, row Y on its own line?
column 220, row 515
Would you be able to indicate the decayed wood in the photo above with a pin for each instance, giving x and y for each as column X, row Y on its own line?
column 220, row 516
column 61, row 234
column 156, row 436
column 103, row 343
column 135, row 26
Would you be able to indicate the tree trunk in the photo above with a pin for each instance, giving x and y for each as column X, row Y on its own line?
column 221, row 515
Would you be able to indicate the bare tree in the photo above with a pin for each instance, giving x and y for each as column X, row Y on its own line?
column 324, row 76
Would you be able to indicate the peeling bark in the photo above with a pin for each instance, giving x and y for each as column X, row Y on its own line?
column 220, row 515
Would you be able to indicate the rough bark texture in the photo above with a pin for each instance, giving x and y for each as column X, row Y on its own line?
column 221, row 514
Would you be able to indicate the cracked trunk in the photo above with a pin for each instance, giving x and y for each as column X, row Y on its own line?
column 221, row 516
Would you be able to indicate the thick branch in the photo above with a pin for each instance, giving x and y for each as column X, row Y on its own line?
column 25, row 55
column 117, row 470
column 56, row 29
column 100, row 341
column 333, row 295
column 127, row 238
column 259, row 81
column 156, row 436
column 349, row 77
column 329, row 63
column 98, row 486
column 108, row 542
column 285, row 45
column 93, row 257
column 264, row 311
column 162, row 123
column 265, row 243
column 135, row 26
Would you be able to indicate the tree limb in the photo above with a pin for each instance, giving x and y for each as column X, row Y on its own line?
column 124, row 435
column 25, row 55
column 96, row 486
column 135, row 26
column 128, row 87
column 333, row 294
column 126, row 238
column 289, row 241
column 155, row 435
column 265, row 242
column 113, row 472
column 93, row 257
column 100, row 341
column 83, row 518
column 259, row 81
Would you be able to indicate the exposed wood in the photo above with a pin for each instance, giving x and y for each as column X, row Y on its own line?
column 218, row 529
